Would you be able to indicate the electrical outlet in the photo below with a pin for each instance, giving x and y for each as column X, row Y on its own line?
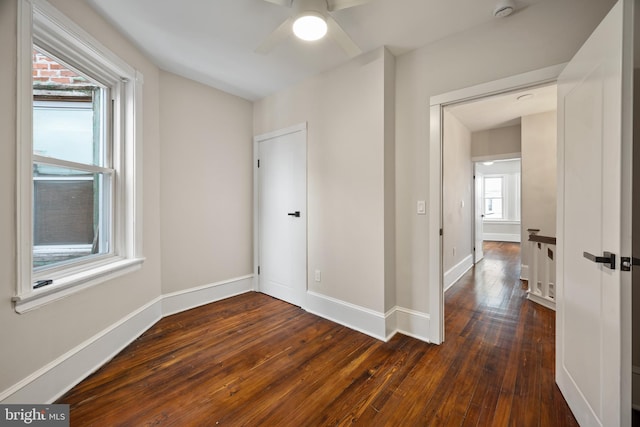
column 318, row 276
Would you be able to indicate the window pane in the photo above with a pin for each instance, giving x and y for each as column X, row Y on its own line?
column 493, row 208
column 493, row 187
column 68, row 217
column 68, row 113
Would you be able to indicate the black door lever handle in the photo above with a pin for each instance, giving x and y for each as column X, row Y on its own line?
column 607, row 258
column 296, row 214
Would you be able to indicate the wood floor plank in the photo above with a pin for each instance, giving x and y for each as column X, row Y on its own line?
column 252, row 360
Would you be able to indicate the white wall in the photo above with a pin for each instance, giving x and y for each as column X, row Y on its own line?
column 457, row 205
column 496, row 143
column 206, row 184
column 545, row 34
column 389, row 180
column 539, row 189
column 345, row 111
column 34, row 339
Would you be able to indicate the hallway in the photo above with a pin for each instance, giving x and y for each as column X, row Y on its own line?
column 512, row 339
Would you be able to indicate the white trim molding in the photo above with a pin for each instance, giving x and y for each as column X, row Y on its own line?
column 491, row 157
column 542, row 301
column 408, row 322
column 382, row 326
column 187, row 299
column 353, row 316
column 524, row 272
column 502, row 237
column 452, row 275
column 56, row 378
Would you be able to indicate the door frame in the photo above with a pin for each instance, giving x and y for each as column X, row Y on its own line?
column 437, row 103
column 301, row 127
column 477, row 219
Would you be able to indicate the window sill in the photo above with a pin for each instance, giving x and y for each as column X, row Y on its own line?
column 73, row 283
column 501, row 221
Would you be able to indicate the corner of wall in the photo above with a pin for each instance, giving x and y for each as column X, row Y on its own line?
column 389, row 103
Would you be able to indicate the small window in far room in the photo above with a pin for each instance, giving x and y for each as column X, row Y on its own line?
column 493, row 190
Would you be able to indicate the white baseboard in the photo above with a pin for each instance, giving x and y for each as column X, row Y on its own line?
column 524, row 272
column 353, row 316
column 177, row 302
column 377, row 325
column 53, row 380
column 408, row 322
column 56, row 378
column 542, row 301
column 502, row 237
column 452, row 275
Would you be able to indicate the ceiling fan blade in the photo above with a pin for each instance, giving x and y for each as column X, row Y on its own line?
column 342, row 38
column 343, row 4
column 285, row 3
column 278, row 35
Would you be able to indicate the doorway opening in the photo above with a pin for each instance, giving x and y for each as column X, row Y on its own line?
column 508, row 141
column 507, row 102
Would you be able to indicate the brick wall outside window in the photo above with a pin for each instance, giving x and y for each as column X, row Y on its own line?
column 47, row 71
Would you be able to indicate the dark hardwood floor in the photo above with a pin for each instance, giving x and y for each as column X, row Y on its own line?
column 252, row 360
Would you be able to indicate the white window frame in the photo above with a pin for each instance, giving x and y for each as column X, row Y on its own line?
column 40, row 22
column 510, row 190
column 502, row 193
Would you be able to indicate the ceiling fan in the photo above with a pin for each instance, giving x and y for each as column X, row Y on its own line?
column 311, row 20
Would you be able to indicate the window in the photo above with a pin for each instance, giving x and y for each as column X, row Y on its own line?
column 72, row 173
column 78, row 167
column 493, row 190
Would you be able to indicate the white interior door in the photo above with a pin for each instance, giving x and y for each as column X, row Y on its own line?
column 593, row 319
column 479, row 214
column 282, row 214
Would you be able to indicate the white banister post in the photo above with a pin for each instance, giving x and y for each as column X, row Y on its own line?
column 533, row 283
column 542, row 269
column 545, row 278
column 552, row 274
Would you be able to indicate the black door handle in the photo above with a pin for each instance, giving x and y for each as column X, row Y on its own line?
column 296, row 214
column 607, row 258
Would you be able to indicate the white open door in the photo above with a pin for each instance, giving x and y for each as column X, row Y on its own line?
column 282, row 214
column 593, row 356
column 478, row 232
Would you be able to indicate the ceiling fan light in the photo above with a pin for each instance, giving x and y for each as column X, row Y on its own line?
column 310, row 27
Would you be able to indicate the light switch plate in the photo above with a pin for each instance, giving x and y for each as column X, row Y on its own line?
column 421, row 207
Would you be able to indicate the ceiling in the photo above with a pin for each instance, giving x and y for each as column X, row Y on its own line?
column 505, row 109
column 214, row 41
